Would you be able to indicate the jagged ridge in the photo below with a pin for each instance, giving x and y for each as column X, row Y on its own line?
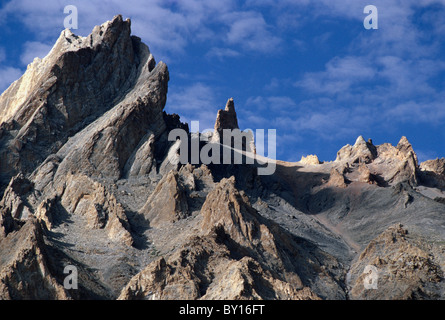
column 87, row 181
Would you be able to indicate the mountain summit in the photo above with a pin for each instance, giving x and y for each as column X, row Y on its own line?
column 87, row 182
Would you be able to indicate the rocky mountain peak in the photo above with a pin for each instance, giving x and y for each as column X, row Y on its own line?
column 230, row 107
column 225, row 119
column 404, row 143
column 361, row 151
column 105, row 35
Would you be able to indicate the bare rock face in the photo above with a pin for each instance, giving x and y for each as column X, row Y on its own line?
column 407, row 268
column 405, row 171
column 14, row 200
column 7, row 223
column 89, row 178
column 142, row 161
column 337, row 179
column 90, row 199
column 229, row 211
column 361, row 151
column 226, row 119
column 24, row 270
column 432, row 173
column 110, row 69
column 399, row 164
column 227, row 207
column 365, row 174
column 239, row 255
column 384, row 164
column 205, row 270
column 79, row 80
column 45, row 211
column 436, row 166
column 168, row 202
column 405, row 148
column 88, row 114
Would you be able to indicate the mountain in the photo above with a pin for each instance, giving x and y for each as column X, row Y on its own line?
column 91, row 178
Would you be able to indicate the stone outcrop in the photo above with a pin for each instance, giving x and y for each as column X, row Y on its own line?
column 89, row 178
column 310, row 160
column 365, row 174
column 14, row 198
column 405, row 149
column 407, row 268
column 205, row 270
column 45, row 211
column 405, row 171
column 7, row 223
column 86, row 115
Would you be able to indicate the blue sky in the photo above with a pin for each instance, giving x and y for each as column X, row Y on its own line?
column 306, row 68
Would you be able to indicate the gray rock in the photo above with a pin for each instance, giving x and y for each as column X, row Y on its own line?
column 89, row 178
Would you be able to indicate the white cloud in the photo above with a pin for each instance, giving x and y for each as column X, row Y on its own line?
column 273, row 112
column 33, row 49
column 7, row 76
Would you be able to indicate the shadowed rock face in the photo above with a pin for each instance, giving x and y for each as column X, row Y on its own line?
column 436, row 166
column 87, row 181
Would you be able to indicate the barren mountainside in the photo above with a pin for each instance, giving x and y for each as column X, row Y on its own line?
column 89, row 178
